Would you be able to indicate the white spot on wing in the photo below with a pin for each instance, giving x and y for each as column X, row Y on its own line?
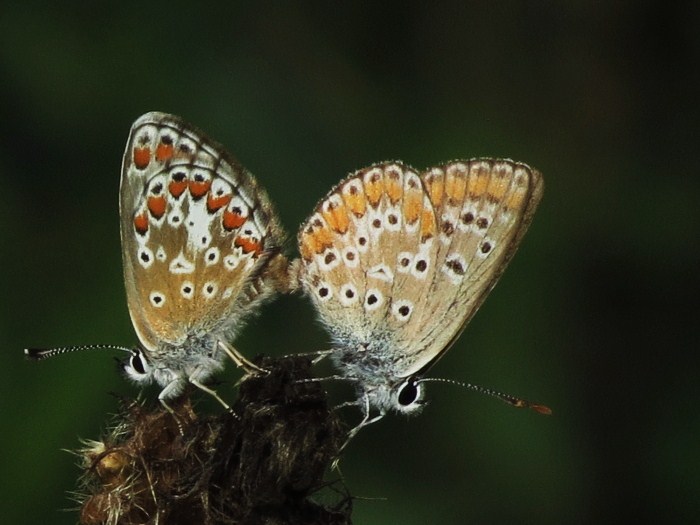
column 180, row 264
column 381, row 272
column 157, row 186
column 197, row 222
column 402, row 310
column 211, row 256
column 157, row 299
column 403, row 262
column 187, row 290
column 393, row 219
column 361, row 233
column 485, row 248
column 348, row 295
column 328, row 260
column 209, row 289
column 188, row 143
column 351, row 257
column 175, row 217
column 373, row 299
column 420, row 267
column 145, row 257
column 220, row 187
column 231, row 261
column 324, row 292
column 454, row 267
column 240, row 206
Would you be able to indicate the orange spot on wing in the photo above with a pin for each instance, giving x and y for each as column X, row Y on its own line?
column 248, row 245
column 199, row 188
column 142, row 157
column 306, row 246
column 427, row 224
column 337, row 218
column 393, row 187
column 141, row 223
column 373, row 191
column 164, row 152
column 412, row 206
column 515, row 200
column 355, row 201
column 315, row 239
column 323, row 238
column 216, row 203
column 455, row 187
column 436, row 189
column 232, row 220
column 497, row 188
column 177, row 188
column 478, row 182
column 156, row 205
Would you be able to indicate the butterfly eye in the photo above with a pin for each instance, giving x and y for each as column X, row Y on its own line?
column 137, row 364
column 409, row 393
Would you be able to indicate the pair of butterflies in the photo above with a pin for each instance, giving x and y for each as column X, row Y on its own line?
column 396, row 262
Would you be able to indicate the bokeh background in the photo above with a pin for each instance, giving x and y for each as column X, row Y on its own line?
column 596, row 316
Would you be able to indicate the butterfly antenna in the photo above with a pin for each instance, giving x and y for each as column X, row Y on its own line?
column 517, row 402
column 39, row 354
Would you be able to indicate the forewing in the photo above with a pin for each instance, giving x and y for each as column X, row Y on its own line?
column 197, row 232
column 483, row 208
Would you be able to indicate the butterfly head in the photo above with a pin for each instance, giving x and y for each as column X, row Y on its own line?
column 406, row 397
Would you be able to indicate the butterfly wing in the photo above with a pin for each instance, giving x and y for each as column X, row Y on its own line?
column 398, row 263
column 483, row 208
column 370, row 236
column 197, row 233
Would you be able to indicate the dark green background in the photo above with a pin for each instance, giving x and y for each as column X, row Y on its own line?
column 596, row 316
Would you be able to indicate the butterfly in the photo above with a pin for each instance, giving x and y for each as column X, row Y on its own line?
column 396, row 262
column 201, row 249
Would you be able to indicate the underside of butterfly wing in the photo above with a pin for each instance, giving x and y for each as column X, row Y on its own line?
column 197, row 233
column 483, row 208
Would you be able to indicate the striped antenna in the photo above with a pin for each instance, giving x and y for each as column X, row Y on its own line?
column 39, row 354
column 517, row 402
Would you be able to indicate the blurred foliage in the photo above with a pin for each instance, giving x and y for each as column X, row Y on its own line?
column 594, row 316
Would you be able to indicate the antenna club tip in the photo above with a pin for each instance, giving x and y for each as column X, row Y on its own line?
column 541, row 409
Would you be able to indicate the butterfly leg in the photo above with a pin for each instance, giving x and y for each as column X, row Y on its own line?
column 172, row 390
column 366, row 421
column 213, row 394
column 248, row 367
column 320, row 355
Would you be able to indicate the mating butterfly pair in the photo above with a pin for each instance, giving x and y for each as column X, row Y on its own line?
column 395, row 261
